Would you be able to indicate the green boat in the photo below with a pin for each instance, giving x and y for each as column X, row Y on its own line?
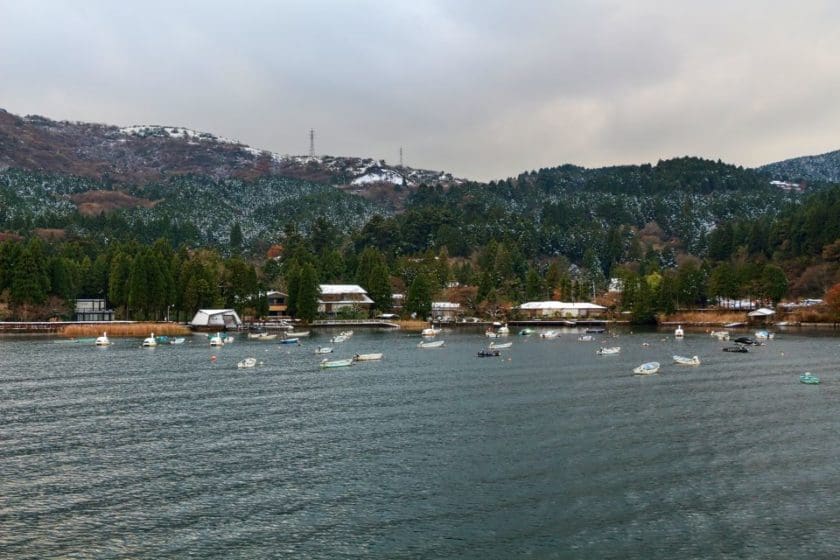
column 809, row 379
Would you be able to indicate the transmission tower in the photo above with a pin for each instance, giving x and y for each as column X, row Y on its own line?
column 311, row 142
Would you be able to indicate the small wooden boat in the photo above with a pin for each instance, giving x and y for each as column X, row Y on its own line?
column 431, row 344
column 323, row 350
column 608, row 351
column 809, row 379
column 488, row 353
column 500, row 346
column 737, row 349
column 247, row 363
column 685, row 361
column 648, row 368
column 325, row 363
column 368, row 357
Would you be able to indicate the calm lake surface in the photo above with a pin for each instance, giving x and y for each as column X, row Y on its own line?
column 547, row 452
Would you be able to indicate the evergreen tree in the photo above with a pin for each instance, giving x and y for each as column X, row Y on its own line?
column 235, row 237
column 30, row 282
column 418, row 301
column 307, row 293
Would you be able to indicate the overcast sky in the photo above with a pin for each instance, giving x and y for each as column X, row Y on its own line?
column 484, row 89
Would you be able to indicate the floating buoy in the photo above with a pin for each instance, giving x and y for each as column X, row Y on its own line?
column 212, row 358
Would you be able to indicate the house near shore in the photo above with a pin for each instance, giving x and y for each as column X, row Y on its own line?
column 561, row 310
column 335, row 297
column 216, row 319
column 92, row 310
column 276, row 304
column 445, row 310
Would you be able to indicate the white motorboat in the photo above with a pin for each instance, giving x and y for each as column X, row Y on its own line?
column 102, row 340
column 325, row 363
column 585, row 338
column 338, row 338
column 247, row 363
column 550, row 334
column 648, row 368
column 323, row 350
column 368, row 357
column 608, row 350
column 720, row 335
column 500, row 346
column 678, row 332
column 297, row 334
column 431, row 344
column 685, row 361
column 149, row 342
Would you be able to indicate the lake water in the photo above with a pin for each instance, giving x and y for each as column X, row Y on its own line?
column 547, row 452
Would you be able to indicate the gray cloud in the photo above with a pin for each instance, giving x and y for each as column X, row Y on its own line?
column 482, row 89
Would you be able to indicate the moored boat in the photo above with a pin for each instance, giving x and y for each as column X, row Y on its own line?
column 648, row 368
column 177, row 340
column 526, row 332
column 325, row 363
column 685, row 361
column 737, row 349
column 585, row 338
column 488, row 353
column 429, row 332
column 298, row 334
column 549, row 334
column 431, row 344
column 290, row 340
column 720, row 335
column 764, row 335
column 150, row 341
column 809, row 379
column 500, row 346
column 323, row 350
column 373, row 356
column 247, row 363
column 608, row 351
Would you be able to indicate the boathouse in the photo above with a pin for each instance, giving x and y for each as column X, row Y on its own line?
column 216, row 319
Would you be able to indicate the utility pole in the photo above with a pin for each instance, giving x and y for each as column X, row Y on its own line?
column 311, row 142
column 401, row 160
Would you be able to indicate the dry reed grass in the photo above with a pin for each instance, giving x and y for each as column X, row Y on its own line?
column 412, row 325
column 125, row 329
column 705, row 317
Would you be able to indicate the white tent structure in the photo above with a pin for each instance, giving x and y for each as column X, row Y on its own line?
column 216, row 319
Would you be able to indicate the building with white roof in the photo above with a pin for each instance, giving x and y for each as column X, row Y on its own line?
column 216, row 319
column 445, row 310
column 545, row 309
column 334, row 297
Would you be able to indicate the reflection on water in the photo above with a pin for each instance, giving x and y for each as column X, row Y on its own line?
column 548, row 451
